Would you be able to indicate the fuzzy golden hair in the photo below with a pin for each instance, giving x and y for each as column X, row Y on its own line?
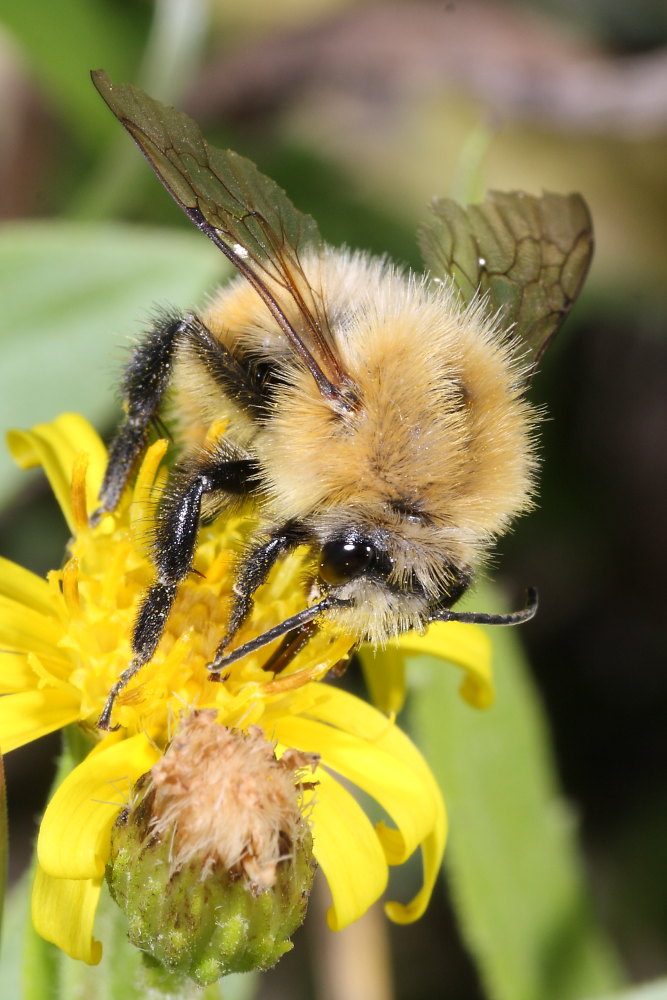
column 375, row 417
column 438, row 454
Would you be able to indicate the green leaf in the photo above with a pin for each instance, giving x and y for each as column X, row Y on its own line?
column 4, row 838
column 15, row 918
column 65, row 41
column 529, row 255
column 515, row 875
column 73, row 298
column 649, row 991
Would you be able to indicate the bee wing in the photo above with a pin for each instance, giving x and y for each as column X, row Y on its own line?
column 243, row 212
column 529, row 255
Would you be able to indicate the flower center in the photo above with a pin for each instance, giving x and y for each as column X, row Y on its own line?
column 101, row 588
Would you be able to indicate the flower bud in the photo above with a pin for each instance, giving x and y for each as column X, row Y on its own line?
column 212, row 861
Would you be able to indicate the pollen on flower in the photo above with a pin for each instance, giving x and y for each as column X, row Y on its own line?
column 226, row 799
column 240, row 817
column 97, row 594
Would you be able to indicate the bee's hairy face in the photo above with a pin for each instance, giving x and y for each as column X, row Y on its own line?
column 388, row 578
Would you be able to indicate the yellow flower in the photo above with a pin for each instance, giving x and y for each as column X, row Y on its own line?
column 65, row 640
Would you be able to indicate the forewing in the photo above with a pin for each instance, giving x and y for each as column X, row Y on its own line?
column 529, row 255
column 247, row 215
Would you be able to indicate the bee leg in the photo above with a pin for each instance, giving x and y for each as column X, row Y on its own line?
column 145, row 382
column 252, row 573
column 104, row 721
column 292, row 644
column 176, row 535
column 294, row 639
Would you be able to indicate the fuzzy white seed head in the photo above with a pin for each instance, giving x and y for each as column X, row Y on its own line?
column 224, row 797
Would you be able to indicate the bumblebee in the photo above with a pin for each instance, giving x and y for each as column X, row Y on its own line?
column 374, row 415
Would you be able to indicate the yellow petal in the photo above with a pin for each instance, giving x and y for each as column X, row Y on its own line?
column 333, row 705
column 355, row 716
column 384, row 673
column 16, row 674
column 55, row 447
column 21, row 585
column 30, row 714
column 348, row 851
column 432, row 851
column 402, row 792
column 27, row 672
column 467, row 646
column 142, row 509
column 74, row 837
column 63, row 911
column 26, row 630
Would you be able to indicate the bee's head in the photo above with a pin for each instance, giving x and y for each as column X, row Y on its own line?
column 382, row 579
column 374, row 584
column 351, row 555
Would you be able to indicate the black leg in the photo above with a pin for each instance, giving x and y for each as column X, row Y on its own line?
column 173, row 549
column 254, row 570
column 176, row 537
column 143, row 386
column 145, row 382
column 223, row 660
column 104, row 721
column 291, row 645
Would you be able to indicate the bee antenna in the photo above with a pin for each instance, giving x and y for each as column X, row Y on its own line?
column 296, row 621
column 481, row 618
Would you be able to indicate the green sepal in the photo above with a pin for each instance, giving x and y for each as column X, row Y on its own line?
column 201, row 927
column 34, row 969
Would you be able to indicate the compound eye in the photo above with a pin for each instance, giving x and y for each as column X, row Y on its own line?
column 343, row 559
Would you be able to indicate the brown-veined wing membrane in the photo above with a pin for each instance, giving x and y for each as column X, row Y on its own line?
column 247, row 215
column 529, row 255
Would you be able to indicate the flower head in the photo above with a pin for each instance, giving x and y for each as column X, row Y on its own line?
column 212, row 860
column 224, row 797
column 66, row 639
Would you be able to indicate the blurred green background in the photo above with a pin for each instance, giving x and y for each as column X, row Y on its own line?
column 363, row 111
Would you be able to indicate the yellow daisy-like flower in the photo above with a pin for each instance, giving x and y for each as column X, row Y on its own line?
column 66, row 639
